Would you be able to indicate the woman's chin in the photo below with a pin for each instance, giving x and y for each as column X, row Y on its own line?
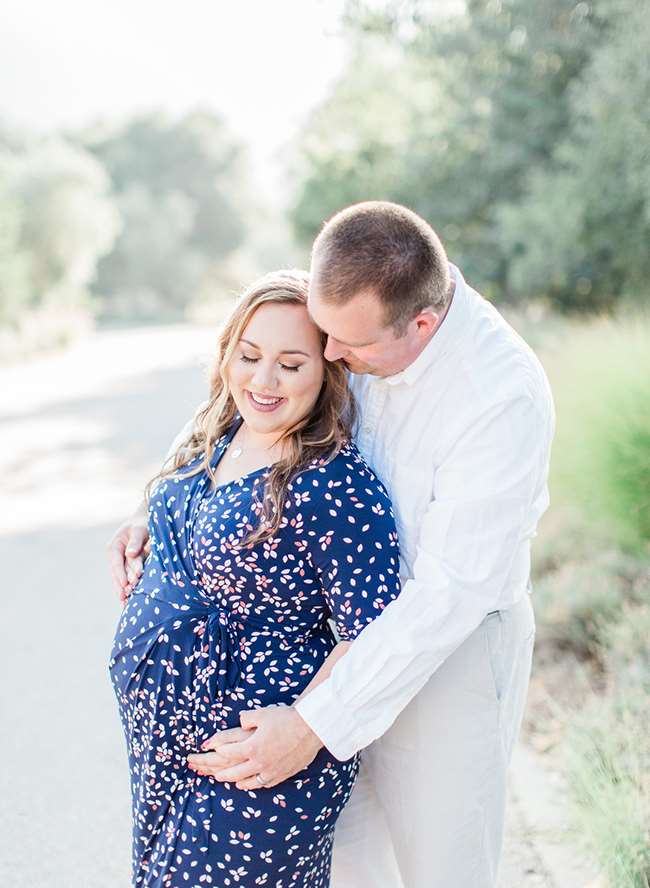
column 262, row 423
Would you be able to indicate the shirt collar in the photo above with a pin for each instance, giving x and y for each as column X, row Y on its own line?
column 445, row 337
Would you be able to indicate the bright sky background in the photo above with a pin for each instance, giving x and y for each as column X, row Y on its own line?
column 262, row 63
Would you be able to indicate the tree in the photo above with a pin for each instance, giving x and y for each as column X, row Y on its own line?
column 474, row 106
column 176, row 187
column 57, row 220
column 580, row 235
column 14, row 273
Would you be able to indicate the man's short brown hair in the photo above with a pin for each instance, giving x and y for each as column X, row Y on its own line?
column 386, row 248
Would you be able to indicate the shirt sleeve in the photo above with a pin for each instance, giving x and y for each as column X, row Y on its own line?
column 352, row 541
column 471, row 531
column 184, row 432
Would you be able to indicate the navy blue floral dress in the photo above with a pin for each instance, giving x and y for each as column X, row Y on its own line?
column 214, row 628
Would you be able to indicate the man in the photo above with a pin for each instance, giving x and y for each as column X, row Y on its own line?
column 457, row 420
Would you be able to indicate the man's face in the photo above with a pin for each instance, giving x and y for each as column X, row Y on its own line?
column 358, row 334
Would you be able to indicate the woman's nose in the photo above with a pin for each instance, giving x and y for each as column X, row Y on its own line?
column 264, row 378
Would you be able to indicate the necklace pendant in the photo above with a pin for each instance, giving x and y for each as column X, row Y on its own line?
column 236, row 453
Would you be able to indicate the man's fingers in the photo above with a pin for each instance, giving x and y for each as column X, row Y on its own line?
column 116, row 549
column 248, row 718
column 136, row 541
column 252, row 783
column 234, row 753
column 235, row 773
column 222, row 738
column 134, row 569
column 271, row 778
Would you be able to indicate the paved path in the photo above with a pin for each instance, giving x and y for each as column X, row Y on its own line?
column 80, row 435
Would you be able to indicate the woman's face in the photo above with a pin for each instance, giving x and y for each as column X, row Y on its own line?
column 276, row 371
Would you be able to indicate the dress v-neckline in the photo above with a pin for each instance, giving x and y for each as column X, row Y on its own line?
column 221, row 452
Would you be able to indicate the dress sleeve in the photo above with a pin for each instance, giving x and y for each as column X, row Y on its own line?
column 352, row 541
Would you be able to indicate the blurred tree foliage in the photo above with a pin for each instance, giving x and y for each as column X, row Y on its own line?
column 175, row 185
column 57, row 218
column 519, row 129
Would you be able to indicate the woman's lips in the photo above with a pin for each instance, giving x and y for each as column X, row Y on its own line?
column 267, row 407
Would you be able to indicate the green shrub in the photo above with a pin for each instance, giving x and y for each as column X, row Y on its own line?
column 609, row 777
column 627, row 646
column 579, row 602
column 600, row 375
column 564, row 536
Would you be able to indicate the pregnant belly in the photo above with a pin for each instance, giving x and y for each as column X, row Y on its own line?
column 183, row 669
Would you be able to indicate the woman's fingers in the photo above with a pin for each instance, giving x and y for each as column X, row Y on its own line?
column 204, row 761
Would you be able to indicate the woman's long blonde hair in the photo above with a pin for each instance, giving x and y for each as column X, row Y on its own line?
column 317, row 436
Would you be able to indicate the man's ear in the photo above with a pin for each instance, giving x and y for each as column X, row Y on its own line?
column 428, row 321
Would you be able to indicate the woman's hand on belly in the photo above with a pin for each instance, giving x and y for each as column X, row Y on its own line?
column 280, row 745
column 216, row 756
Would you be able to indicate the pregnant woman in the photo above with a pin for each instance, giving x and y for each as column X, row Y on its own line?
column 266, row 525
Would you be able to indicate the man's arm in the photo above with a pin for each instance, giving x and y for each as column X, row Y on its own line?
column 125, row 550
column 470, row 537
column 182, row 435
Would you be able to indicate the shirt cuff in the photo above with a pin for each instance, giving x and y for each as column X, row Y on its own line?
column 321, row 710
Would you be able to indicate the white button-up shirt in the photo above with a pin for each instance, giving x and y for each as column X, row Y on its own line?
column 461, row 438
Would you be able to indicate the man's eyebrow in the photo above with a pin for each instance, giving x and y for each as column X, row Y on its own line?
column 355, row 344
column 285, row 351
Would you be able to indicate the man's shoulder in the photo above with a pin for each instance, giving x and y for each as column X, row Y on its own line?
column 498, row 360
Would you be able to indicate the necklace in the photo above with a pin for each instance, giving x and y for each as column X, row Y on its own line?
column 237, row 451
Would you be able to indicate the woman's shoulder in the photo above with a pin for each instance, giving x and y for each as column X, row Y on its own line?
column 346, row 472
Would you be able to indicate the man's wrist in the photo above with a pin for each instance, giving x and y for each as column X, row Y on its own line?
column 307, row 734
column 322, row 711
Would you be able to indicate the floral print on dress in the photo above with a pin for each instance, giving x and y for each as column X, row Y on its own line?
column 214, row 628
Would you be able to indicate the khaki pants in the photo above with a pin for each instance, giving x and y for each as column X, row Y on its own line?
column 428, row 808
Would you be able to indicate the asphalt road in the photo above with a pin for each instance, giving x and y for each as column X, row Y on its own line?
column 80, row 434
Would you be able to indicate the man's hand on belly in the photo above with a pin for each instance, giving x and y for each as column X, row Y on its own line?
column 274, row 743
column 127, row 549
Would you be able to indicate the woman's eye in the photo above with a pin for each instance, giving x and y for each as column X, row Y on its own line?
column 247, row 360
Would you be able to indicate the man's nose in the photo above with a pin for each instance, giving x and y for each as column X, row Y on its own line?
column 333, row 350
